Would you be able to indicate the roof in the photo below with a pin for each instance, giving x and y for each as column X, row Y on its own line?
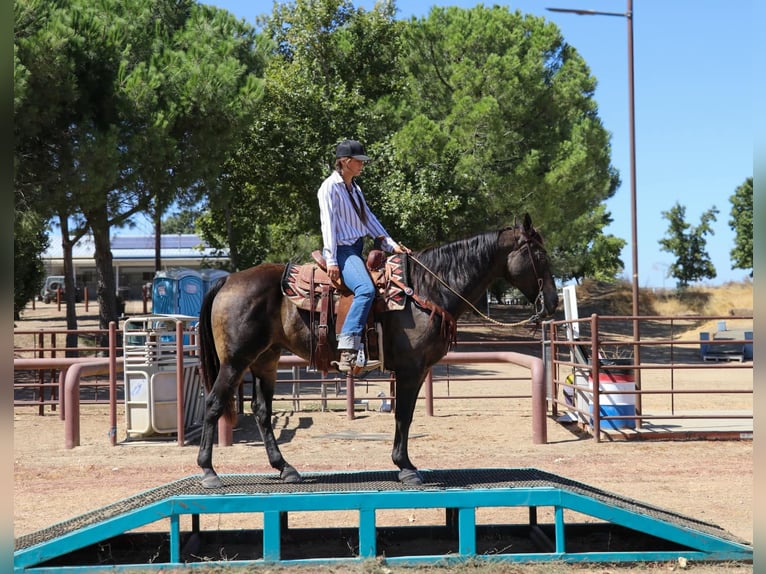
column 188, row 241
column 177, row 246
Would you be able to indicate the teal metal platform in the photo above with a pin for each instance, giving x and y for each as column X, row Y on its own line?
column 619, row 529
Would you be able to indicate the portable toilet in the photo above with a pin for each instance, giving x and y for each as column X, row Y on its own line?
column 177, row 292
column 210, row 276
column 190, row 291
column 164, row 294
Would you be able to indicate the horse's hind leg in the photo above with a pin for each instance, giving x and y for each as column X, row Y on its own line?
column 215, row 403
column 263, row 395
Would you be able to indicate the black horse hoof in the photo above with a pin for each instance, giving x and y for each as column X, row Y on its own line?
column 410, row 477
column 211, row 480
column 289, row 475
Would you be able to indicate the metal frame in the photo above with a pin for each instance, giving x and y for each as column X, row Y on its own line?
column 460, row 492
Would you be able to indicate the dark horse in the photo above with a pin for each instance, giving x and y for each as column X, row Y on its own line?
column 246, row 322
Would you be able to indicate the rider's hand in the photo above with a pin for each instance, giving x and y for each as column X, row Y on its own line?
column 402, row 249
column 333, row 271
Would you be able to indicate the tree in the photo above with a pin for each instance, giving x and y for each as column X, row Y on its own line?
column 688, row 243
column 29, row 241
column 180, row 222
column 472, row 116
column 499, row 119
column 741, row 222
column 124, row 105
column 578, row 256
column 331, row 64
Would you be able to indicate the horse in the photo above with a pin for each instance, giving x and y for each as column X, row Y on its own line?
column 246, row 322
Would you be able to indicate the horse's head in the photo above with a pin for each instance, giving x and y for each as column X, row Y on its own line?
column 529, row 270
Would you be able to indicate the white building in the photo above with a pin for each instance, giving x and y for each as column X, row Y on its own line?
column 133, row 259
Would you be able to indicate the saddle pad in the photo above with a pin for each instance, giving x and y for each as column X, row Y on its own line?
column 296, row 286
column 395, row 275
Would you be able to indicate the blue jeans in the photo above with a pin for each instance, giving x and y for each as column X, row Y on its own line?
column 357, row 278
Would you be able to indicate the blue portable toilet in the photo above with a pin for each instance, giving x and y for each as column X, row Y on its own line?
column 177, row 292
column 210, row 276
column 164, row 294
column 190, row 292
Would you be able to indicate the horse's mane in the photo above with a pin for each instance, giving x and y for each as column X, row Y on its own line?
column 455, row 263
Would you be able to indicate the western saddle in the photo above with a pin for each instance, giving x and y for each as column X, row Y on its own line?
column 309, row 287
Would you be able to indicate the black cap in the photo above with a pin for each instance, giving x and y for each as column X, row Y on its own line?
column 351, row 148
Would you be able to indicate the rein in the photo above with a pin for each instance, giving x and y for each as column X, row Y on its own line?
column 539, row 303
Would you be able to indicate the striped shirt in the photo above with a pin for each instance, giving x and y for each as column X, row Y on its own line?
column 341, row 225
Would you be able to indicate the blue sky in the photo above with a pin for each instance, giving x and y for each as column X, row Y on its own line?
column 693, row 109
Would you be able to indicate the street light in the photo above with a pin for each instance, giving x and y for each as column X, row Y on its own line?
column 628, row 14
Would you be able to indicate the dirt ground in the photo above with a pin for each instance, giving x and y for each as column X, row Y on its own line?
column 706, row 480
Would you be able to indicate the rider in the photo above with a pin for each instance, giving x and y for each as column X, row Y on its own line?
column 346, row 220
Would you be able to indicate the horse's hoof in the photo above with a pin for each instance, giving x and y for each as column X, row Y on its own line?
column 410, row 477
column 290, row 475
column 211, row 480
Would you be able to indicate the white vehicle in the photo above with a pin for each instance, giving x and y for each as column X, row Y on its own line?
column 51, row 286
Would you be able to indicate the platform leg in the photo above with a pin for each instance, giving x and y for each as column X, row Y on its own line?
column 560, row 542
column 272, row 523
column 367, row 542
column 175, row 539
column 467, row 532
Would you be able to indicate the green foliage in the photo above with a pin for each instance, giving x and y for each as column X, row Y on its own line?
column 30, row 240
column 741, row 222
column 473, row 117
column 687, row 243
column 124, row 105
column 181, row 222
column 498, row 120
column 330, row 64
column 594, row 255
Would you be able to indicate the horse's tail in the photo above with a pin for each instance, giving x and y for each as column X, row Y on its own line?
column 210, row 364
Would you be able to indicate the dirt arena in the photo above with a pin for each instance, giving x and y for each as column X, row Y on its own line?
column 706, row 480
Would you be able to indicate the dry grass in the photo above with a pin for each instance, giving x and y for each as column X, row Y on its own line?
column 482, row 567
column 729, row 299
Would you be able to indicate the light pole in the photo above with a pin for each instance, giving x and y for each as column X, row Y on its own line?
column 632, row 120
column 628, row 15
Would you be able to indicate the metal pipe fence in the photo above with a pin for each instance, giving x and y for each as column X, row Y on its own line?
column 678, row 378
column 660, row 388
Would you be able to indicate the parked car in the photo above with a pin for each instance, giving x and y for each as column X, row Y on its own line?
column 51, row 286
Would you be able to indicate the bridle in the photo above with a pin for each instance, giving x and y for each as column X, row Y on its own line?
column 539, row 303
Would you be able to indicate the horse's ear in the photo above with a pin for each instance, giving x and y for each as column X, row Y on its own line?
column 527, row 222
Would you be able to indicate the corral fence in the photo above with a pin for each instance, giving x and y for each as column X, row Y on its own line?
column 655, row 374
column 46, row 379
column 649, row 375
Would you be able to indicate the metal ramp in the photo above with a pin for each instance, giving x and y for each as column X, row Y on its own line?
column 619, row 529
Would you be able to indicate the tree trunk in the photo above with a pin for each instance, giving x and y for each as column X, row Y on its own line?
column 157, row 240
column 106, row 286
column 70, row 287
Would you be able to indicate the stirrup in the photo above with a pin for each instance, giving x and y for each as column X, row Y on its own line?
column 362, row 365
column 355, row 362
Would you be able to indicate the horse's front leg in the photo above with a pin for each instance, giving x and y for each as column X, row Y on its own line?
column 220, row 396
column 407, row 388
column 262, row 409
